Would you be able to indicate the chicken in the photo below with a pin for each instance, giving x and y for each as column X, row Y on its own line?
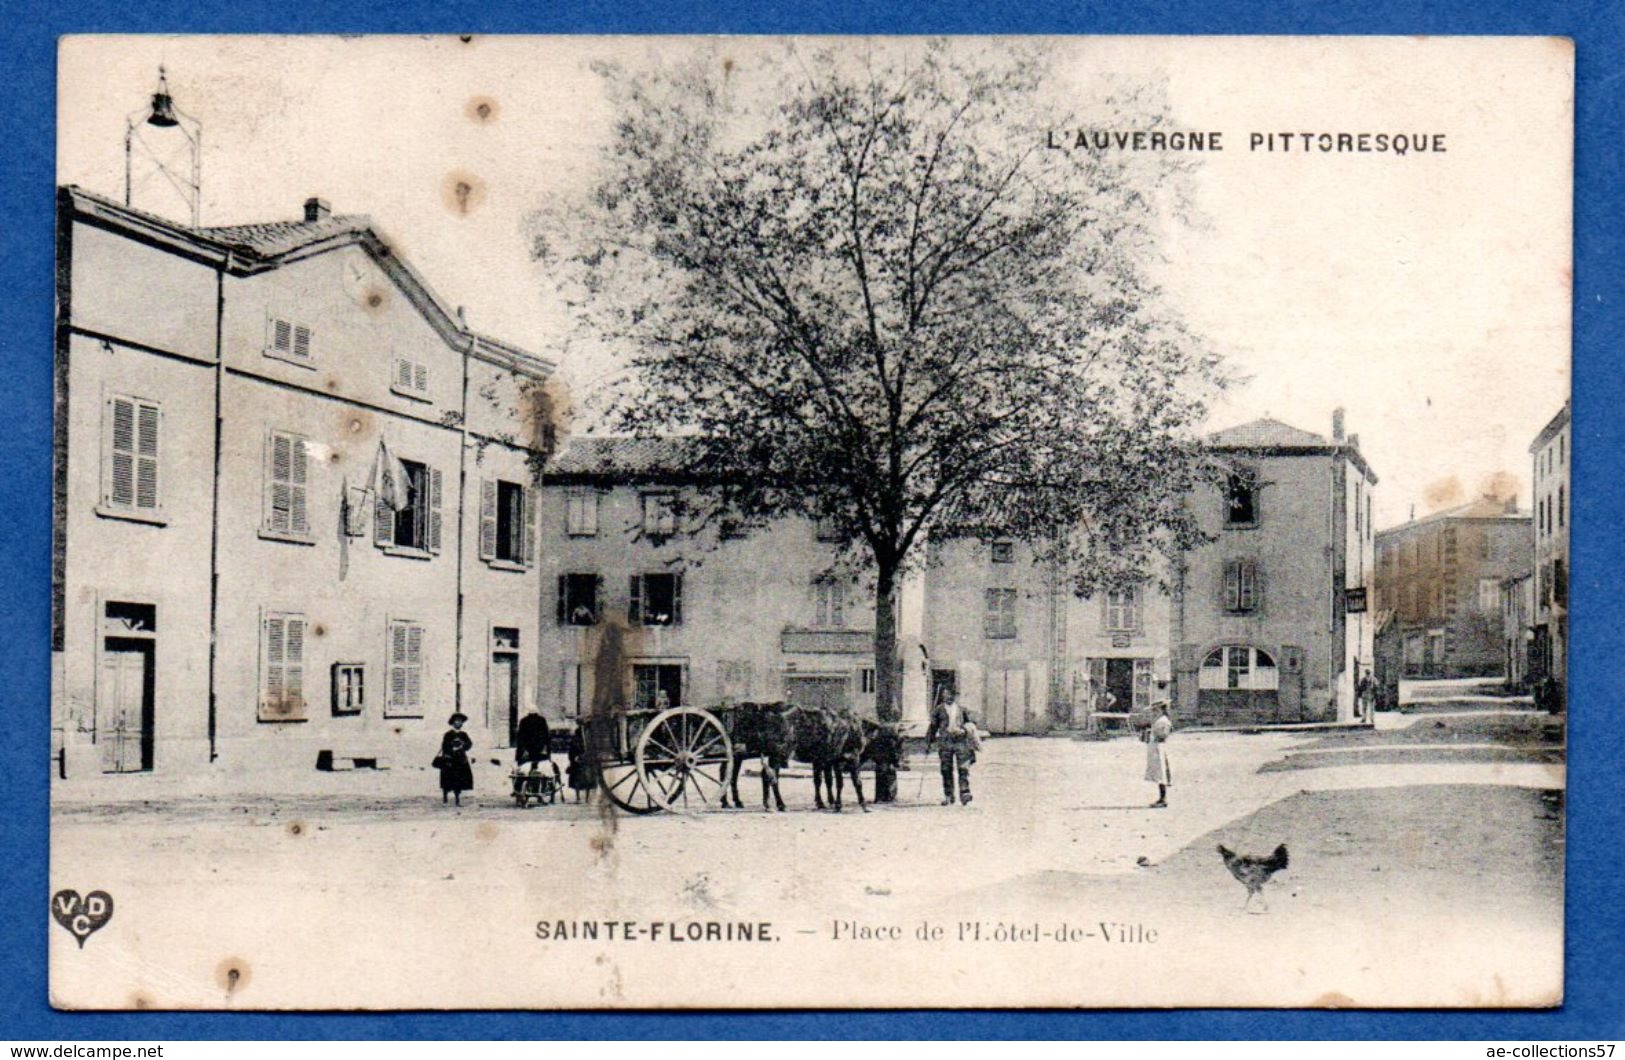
column 1253, row 871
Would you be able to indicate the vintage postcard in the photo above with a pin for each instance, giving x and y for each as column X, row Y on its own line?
column 826, row 522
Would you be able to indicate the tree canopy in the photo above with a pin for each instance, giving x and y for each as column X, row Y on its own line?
column 868, row 292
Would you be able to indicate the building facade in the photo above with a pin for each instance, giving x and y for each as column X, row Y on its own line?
column 1443, row 577
column 1517, row 629
column 295, row 499
column 1549, row 652
column 1271, row 620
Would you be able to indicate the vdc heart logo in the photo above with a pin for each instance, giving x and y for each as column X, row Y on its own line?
column 83, row 917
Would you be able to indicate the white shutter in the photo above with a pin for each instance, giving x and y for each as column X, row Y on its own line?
column 383, row 522
column 278, row 474
column 301, row 343
column 395, row 695
column 298, row 512
column 121, row 452
column 281, row 336
column 414, row 669
column 274, row 652
column 435, row 520
column 488, row 519
column 146, row 461
column 420, row 378
column 293, row 678
column 528, row 553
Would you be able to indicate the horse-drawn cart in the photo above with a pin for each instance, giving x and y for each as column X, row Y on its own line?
column 680, row 758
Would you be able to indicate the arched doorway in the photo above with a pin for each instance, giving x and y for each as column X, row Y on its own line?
column 1238, row 683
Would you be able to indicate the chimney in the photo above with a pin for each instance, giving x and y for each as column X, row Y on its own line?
column 317, row 210
column 1354, row 441
column 1337, row 425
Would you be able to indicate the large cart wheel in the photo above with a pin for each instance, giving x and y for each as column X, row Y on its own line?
column 623, row 783
column 684, row 756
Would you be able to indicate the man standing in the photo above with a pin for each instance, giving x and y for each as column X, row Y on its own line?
column 958, row 750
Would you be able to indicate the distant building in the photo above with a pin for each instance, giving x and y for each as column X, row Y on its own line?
column 1442, row 575
column 1271, row 621
column 1549, row 653
column 698, row 615
column 230, row 582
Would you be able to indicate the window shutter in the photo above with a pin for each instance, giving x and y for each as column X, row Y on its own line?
column 281, row 336
column 1230, row 589
column 420, row 378
column 990, row 613
column 403, row 372
column 383, row 522
column 1257, row 571
column 564, row 593
column 146, row 464
column 298, row 514
column 488, row 519
column 121, row 453
column 414, row 668
column 396, row 695
column 528, row 549
column 293, row 678
column 676, row 599
column 301, row 343
column 279, row 473
column 435, row 519
column 275, row 657
column 634, row 610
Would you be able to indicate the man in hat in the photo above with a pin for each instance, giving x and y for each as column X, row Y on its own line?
column 533, row 745
column 958, row 751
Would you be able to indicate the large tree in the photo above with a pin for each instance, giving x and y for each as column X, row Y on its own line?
column 868, row 291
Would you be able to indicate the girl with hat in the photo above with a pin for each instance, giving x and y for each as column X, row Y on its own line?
column 456, row 775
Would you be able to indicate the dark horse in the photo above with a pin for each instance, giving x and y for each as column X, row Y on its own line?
column 836, row 742
column 765, row 731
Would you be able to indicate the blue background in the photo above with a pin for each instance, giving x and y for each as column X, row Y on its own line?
column 1596, row 898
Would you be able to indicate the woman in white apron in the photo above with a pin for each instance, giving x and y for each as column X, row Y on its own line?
column 1156, row 754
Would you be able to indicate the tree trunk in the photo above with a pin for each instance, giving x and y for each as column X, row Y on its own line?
column 888, row 674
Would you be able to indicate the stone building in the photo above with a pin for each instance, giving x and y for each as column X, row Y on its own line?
column 1442, row 575
column 294, row 499
column 1551, row 451
column 1271, row 620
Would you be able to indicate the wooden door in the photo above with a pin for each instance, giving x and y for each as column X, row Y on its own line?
column 124, row 706
column 503, row 702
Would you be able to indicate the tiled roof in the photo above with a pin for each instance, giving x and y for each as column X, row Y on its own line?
column 601, row 455
column 279, row 237
column 1482, row 508
column 1267, row 434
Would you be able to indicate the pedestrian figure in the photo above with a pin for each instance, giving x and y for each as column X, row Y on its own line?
column 958, row 750
column 533, row 745
column 456, row 774
column 1364, row 694
column 583, row 772
column 1156, row 755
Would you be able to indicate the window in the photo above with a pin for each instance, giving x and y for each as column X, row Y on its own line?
column 1123, row 610
column 657, row 600
column 1142, row 684
column 1560, row 583
column 581, row 513
column 410, row 378
column 1484, row 545
column 578, row 599
column 288, row 341
column 1560, row 455
column 575, row 689
column 657, row 685
column 507, row 523
column 825, row 529
column 1236, row 668
column 1241, row 501
column 405, row 693
column 659, row 515
column 1489, row 595
column 1562, row 507
column 130, row 458
column 282, row 666
column 349, row 688
column 999, row 618
column 1359, row 506
column 866, row 680
column 1242, row 591
column 1003, row 552
column 829, row 603
column 287, row 467
column 415, row 526
column 733, row 679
